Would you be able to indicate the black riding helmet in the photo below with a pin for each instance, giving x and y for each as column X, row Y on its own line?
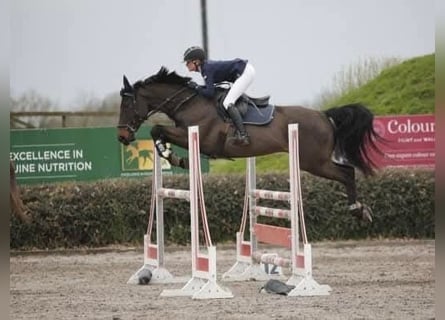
column 194, row 53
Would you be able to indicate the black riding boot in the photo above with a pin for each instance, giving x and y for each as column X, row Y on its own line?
column 243, row 137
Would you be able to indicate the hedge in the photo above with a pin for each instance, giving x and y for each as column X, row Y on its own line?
column 95, row 214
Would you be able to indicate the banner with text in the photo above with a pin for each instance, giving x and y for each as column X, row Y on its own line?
column 410, row 141
column 48, row 155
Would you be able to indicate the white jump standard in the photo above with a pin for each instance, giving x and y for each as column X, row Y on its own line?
column 154, row 252
column 247, row 266
column 203, row 284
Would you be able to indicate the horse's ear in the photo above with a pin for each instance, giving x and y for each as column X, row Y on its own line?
column 127, row 84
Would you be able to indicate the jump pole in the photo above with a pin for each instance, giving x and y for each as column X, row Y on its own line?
column 248, row 258
column 203, row 284
column 154, row 252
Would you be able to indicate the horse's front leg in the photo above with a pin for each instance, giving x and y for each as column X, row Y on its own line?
column 163, row 136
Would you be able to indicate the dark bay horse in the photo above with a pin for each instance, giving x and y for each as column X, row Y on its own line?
column 15, row 201
column 347, row 130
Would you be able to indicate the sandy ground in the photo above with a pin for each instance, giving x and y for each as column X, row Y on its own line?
column 369, row 279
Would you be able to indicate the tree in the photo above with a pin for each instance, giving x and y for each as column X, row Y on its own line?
column 32, row 101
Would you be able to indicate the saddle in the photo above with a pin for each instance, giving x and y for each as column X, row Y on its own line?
column 256, row 111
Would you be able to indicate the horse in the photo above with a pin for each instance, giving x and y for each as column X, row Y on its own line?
column 15, row 201
column 346, row 131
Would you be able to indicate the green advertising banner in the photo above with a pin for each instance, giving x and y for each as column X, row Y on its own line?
column 52, row 155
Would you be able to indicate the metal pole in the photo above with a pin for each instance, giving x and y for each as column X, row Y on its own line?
column 204, row 26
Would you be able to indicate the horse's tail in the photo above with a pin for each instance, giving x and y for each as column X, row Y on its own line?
column 354, row 135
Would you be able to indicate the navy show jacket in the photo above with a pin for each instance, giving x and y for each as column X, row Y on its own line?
column 214, row 71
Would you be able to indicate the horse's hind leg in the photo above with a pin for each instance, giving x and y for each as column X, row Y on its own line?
column 345, row 174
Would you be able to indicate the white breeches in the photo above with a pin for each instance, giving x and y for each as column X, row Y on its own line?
column 240, row 85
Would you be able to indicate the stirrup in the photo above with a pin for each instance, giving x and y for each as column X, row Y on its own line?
column 241, row 139
column 245, row 140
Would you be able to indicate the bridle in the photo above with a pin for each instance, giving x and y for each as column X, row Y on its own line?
column 139, row 119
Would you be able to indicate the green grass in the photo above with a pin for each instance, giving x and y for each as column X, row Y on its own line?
column 278, row 162
column 405, row 88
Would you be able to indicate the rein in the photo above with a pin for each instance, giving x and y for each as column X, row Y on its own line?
column 140, row 119
column 168, row 100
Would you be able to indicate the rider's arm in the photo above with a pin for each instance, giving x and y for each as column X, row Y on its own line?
column 208, row 90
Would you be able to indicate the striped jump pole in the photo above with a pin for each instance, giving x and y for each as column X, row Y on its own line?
column 154, row 251
column 249, row 258
column 203, row 284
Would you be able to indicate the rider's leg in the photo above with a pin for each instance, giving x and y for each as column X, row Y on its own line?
column 238, row 122
column 238, row 88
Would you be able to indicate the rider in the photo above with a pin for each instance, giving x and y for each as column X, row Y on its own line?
column 237, row 71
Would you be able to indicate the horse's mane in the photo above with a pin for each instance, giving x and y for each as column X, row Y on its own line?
column 163, row 76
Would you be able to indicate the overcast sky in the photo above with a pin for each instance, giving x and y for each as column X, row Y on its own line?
column 65, row 49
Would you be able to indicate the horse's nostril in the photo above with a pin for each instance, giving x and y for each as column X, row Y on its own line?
column 123, row 140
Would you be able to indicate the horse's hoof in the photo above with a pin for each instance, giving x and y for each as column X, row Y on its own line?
column 184, row 163
column 363, row 212
column 177, row 161
column 367, row 213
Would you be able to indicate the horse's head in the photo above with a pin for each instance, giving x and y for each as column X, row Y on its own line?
column 158, row 93
column 132, row 114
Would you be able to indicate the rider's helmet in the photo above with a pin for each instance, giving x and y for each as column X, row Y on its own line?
column 194, row 53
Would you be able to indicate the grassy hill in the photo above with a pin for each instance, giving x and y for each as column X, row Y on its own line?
column 406, row 88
